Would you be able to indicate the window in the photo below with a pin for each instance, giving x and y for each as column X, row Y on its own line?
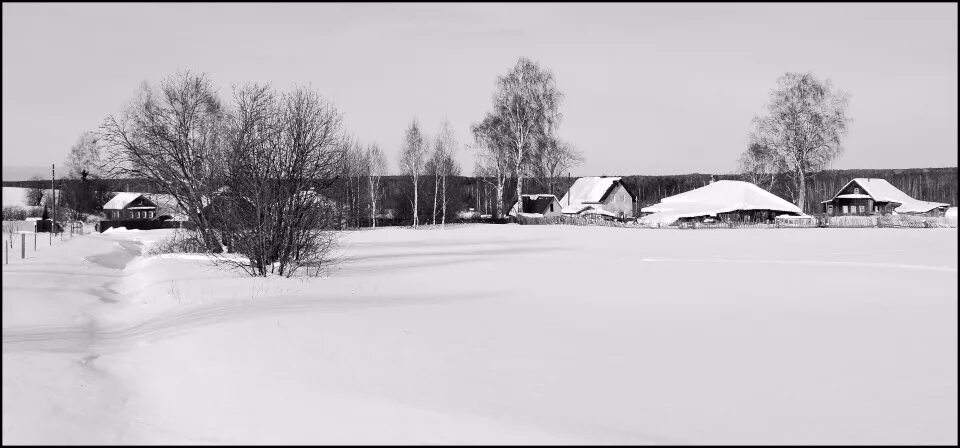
column 863, row 209
column 845, row 210
column 551, row 207
column 856, row 191
column 830, row 208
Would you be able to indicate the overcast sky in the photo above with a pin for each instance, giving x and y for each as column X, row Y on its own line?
column 649, row 88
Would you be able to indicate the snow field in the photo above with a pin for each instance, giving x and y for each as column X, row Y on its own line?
column 496, row 334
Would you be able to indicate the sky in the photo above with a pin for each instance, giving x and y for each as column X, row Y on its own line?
column 648, row 88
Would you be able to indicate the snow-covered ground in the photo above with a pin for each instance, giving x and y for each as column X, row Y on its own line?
column 493, row 334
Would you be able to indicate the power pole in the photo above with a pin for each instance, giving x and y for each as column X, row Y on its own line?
column 53, row 194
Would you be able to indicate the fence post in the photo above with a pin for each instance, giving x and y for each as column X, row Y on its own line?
column 23, row 246
column 34, row 241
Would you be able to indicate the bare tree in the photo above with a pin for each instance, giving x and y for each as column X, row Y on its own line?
column 173, row 137
column 85, row 155
column 412, row 158
column 450, row 169
column 760, row 165
column 35, row 194
column 84, row 190
column 375, row 167
column 554, row 158
column 440, row 164
column 494, row 158
column 527, row 103
column 284, row 150
column 804, row 123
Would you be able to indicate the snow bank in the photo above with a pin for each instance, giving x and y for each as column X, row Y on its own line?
column 951, row 216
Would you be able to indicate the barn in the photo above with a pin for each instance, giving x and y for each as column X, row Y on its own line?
column 541, row 204
column 126, row 206
column 722, row 200
column 871, row 196
column 602, row 195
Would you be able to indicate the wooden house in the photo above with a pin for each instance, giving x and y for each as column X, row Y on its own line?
column 871, row 196
column 130, row 206
column 602, row 195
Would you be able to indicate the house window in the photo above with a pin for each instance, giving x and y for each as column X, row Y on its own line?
column 845, row 210
column 830, row 208
column 863, row 209
column 856, row 191
column 551, row 207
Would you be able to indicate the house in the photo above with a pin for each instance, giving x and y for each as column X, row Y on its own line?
column 126, row 206
column 541, row 204
column 598, row 195
column 722, row 200
column 871, row 196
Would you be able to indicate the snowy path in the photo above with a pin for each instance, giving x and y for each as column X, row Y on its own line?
column 499, row 334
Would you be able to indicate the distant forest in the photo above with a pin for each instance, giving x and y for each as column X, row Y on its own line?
column 929, row 184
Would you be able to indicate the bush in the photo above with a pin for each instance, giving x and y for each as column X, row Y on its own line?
column 179, row 242
column 14, row 213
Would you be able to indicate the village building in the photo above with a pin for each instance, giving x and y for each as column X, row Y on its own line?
column 722, row 200
column 606, row 196
column 871, row 196
column 130, row 206
column 546, row 205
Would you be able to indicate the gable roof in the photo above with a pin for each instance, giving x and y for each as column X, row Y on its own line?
column 122, row 200
column 591, row 190
column 535, row 203
column 721, row 196
column 882, row 191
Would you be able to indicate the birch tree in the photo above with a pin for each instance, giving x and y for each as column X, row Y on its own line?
column 760, row 166
column 413, row 153
column 375, row 167
column 803, row 124
column 527, row 103
column 441, row 164
column 494, row 158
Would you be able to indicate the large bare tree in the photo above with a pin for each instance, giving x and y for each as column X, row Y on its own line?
column 173, row 137
column 413, row 154
column 494, row 158
column 527, row 103
column 803, row 124
column 284, row 149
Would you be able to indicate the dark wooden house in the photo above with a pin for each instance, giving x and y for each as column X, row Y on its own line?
column 870, row 196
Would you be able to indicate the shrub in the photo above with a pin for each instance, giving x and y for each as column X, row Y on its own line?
column 14, row 213
column 179, row 242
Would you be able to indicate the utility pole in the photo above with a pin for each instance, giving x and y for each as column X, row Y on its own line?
column 53, row 194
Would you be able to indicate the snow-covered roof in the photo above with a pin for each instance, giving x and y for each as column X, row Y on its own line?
column 721, row 196
column 534, row 203
column 882, row 191
column 588, row 190
column 121, row 200
column 854, row 196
